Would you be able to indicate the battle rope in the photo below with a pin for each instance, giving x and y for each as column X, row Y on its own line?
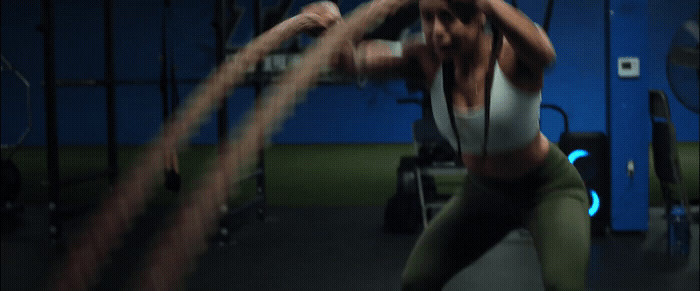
column 113, row 219
column 102, row 233
column 186, row 239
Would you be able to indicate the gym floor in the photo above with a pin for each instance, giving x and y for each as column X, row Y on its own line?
column 344, row 248
column 320, row 232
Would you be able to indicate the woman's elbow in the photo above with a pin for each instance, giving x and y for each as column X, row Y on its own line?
column 550, row 57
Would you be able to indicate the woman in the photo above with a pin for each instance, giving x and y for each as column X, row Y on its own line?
column 517, row 177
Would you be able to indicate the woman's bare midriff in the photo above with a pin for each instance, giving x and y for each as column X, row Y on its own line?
column 510, row 165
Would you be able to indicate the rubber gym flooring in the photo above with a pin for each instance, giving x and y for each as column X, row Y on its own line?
column 344, row 248
column 322, row 231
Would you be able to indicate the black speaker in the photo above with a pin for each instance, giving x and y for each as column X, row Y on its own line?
column 590, row 154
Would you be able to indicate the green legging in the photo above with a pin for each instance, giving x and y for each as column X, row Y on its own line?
column 551, row 202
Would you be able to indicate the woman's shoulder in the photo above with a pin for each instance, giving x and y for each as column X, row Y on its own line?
column 515, row 70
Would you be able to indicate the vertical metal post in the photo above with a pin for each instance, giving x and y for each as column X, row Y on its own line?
column 112, row 165
column 606, row 40
column 0, row 78
column 260, row 178
column 163, row 82
column 47, row 28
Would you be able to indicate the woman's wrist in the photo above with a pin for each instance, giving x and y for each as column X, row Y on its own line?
column 360, row 62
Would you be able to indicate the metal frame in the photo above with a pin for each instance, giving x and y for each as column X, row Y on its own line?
column 51, row 84
column 433, row 169
column 224, row 27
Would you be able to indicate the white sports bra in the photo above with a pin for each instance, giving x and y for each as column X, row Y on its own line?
column 514, row 119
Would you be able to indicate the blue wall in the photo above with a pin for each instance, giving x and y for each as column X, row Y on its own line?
column 629, row 136
column 332, row 114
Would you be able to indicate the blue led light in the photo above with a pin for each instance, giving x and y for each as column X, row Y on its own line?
column 595, row 205
column 577, row 154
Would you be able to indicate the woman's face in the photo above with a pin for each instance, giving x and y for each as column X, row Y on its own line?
column 451, row 29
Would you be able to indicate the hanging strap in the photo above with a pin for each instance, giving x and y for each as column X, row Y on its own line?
column 175, row 101
column 167, row 75
column 448, row 83
column 496, row 48
column 448, row 78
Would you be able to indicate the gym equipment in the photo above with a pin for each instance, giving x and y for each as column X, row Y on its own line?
column 11, row 181
column 589, row 152
column 170, row 101
column 6, row 65
column 10, row 186
column 227, row 16
column 682, row 68
column 173, row 180
column 47, row 28
column 667, row 168
column 10, row 176
column 196, row 219
column 403, row 212
column 417, row 200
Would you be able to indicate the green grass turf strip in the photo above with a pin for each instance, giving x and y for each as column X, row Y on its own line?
column 296, row 175
column 332, row 174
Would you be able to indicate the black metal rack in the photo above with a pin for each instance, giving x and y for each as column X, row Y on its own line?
column 225, row 21
column 51, row 83
column 226, row 17
column 224, row 24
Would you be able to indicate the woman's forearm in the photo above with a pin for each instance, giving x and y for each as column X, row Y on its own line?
column 373, row 58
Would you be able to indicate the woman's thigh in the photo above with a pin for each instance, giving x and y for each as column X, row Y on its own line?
column 467, row 227
column 560, row 227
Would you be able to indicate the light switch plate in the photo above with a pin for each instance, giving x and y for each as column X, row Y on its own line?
column 628, row 67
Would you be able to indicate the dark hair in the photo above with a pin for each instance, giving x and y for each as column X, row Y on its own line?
column 464, row 11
